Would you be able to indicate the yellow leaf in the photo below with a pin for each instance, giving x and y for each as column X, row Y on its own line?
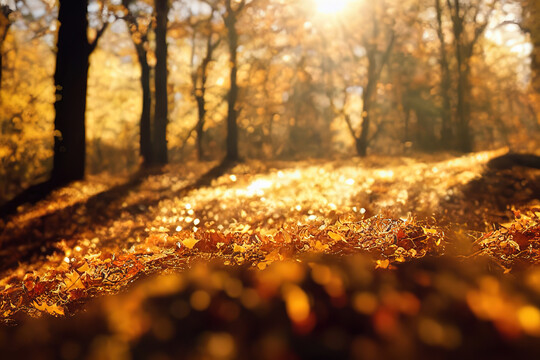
column 73, row 281
column 320, row 247
column 51, row 309
column 83, row 268
column 239, row 248
column 189, row 242
column 430, row 231
column 382, row 264
column 335, row 236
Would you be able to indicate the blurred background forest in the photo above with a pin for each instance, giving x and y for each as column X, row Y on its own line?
column 301, row 78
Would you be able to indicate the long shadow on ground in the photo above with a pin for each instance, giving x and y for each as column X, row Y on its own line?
column 507, row 181
column 40, row 235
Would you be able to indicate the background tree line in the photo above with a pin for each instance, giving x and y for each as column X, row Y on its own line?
column 91, row 86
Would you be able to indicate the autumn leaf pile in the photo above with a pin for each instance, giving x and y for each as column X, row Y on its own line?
column 515, row 242
column 55, row 290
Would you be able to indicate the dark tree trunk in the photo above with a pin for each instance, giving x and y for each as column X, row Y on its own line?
column 145, row 142
column 70, row 80
column 200, row 126
column 446, row 83
column 375, row 69
column 367, row 98
column 159, row 134
column 362, row 141
column 464, row 46
column 1, row 62
column 140, row 41
column 464, row 141
column 5, row 23
column 232, row 113
column 530, row 24
column 200, row 93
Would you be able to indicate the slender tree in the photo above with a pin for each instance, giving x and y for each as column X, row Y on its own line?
column 199, row 74
column 233, row 9
column 446, row 82
column 139, row 36
column 376, row 61
column 375, row 67
column 466, row 15
column 159, row 133
column 530, row 24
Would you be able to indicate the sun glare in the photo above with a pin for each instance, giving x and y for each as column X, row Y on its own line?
column 330, row 6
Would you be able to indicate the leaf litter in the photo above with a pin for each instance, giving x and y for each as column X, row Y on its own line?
column 260, row 215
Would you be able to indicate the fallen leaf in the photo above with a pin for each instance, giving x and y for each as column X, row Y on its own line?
column 189, row 242
column 335, row 236
column 51, row 309
column 73, row 281
column 239, row 248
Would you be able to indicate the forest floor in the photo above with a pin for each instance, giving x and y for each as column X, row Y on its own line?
column 437, row 257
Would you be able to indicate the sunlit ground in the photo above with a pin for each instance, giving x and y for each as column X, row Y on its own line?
column 278, row 219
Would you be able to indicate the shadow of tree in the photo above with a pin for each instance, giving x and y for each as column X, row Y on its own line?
column 488, row 199
column 39, row 236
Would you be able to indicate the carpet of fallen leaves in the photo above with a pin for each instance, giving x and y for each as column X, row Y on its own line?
column 348, row 254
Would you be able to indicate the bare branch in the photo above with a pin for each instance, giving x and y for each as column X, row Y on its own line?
column 99, row 33
column 386, row 55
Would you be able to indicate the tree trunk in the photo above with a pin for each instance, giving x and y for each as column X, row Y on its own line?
column 200, row 94
column 5, row 23
column 362, row 141
column 159, row 133
column 200, row 126
column 140, row 41
column 145, row 142
column 232, row 126
column 367, row 97
column 530, row 24
column 375, row 69
column 464, row 140
column 446, row 83
column 70, row 80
